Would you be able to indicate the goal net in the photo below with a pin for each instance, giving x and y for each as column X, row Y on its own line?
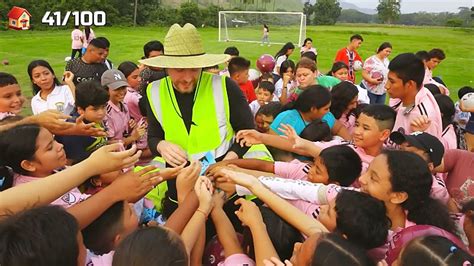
column 247, row 26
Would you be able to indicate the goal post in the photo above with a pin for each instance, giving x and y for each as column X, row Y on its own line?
column 247, row 26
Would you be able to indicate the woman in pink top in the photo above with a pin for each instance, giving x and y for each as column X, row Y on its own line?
column 87, row 36
column 344, row 101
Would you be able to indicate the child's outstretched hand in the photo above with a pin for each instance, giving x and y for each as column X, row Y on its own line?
column 239, row 178
column 132, row 186
column 218, row 199
column 132, row 123
column 204, row 190
column 109, row 158
column 248, row 213
column 186, row 179
column 289, row 132
column 211, row 170
column 249, row 137
column 224, row 185
column 138, row 131
column 421, row 123
column 83, row 129
column 170, row 173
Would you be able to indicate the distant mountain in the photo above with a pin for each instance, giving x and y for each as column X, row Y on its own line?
column 346, row 5
column 369, row 11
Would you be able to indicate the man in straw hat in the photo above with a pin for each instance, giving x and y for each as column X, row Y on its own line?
column 192, row 112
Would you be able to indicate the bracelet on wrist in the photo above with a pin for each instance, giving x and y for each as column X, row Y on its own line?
column 203, row 212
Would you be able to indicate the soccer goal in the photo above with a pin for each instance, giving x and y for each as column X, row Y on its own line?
column 247, row 26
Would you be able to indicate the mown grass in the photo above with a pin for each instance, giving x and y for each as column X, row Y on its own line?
column 457, row 70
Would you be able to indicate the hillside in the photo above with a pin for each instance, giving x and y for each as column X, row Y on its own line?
column 268, row 5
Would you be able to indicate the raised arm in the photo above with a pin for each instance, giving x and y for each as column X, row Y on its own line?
column 250, row 215
column 48, row 189
column 131, row 186
column 225, row 231
column 285, row 210
column 190, row 235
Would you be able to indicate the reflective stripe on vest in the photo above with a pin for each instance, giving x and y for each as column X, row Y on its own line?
column 259, row 151
column 206, row 135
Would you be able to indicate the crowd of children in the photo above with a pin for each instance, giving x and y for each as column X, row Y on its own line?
column 342, row 178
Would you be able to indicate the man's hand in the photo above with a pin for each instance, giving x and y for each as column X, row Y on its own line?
column 172, row 153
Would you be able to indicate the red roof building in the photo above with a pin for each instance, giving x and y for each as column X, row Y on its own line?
column 19, row 18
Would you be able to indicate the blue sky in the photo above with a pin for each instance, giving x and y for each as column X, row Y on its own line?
column 410, row 6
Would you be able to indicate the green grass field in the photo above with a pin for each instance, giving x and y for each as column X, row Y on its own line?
column 457, row 70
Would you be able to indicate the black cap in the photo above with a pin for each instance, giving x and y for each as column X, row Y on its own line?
column 424, row 141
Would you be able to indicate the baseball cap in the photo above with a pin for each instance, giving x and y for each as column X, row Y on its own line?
column 113, row 79
column 424, row 141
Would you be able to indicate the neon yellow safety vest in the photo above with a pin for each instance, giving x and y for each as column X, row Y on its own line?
column 258, row 151
column 211, row 130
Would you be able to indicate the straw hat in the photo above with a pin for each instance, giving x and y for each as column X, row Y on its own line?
column 184, row 49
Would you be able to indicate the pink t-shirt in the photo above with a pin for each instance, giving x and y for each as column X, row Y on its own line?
column 85, row 40
column 448, row 138
column 425, row 104
column 116, row 121
column 239, row 259
column 439, row 190
column 348, row 123
column 460, row 177
column 364, row 157
column 67, row 200
column 292, row 170
column 131, row 100
column 76, row 36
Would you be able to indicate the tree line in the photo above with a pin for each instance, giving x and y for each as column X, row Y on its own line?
column 154, row 12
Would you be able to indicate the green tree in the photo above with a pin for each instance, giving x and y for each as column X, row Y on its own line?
column 190, row 13
column 388, row 10
column 308, row 11
column 326, row 12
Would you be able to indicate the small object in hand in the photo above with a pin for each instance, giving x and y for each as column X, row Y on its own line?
column 5, row 62
column 377, row 75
